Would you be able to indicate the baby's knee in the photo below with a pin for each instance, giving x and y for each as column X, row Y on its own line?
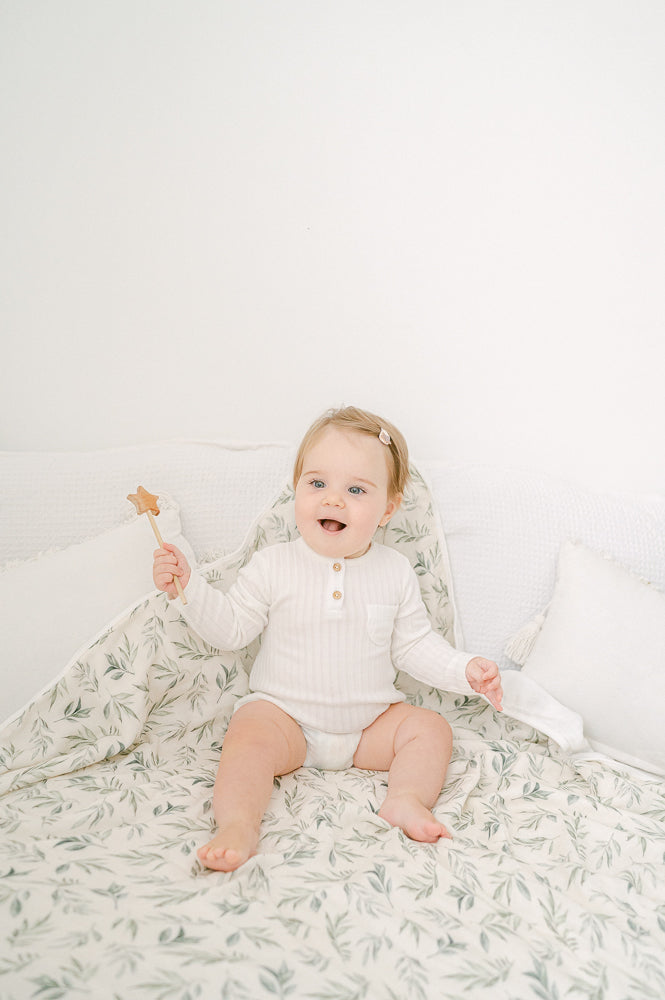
column 429, row 725
column 264, row 731
column 441, row 727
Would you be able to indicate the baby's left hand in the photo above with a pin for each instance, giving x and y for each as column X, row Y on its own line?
column 484, row 677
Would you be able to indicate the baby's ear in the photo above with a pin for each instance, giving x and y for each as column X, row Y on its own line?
column 393, row 506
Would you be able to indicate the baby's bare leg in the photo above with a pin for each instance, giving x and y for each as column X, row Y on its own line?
column 414, row 745
column 262, row 741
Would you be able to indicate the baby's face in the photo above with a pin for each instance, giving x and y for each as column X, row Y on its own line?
column 342, row 494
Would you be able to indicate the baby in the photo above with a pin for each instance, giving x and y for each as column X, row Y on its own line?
column 340, row 614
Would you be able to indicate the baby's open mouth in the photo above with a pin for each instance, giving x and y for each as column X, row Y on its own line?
column 329, row 525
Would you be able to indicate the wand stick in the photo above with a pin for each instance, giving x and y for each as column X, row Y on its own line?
column 146, row 503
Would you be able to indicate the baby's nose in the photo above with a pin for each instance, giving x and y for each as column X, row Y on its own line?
column 333, row 499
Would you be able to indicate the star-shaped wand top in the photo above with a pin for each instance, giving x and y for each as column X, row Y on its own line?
column 144, row 501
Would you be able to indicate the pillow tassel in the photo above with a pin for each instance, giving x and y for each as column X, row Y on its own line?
column 519, row 646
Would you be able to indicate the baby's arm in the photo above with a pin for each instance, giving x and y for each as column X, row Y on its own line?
column 427, row 656
column 169, row 562
column 231, row 619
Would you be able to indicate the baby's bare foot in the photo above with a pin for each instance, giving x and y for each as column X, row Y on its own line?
column 232, row 845
column 410, row 815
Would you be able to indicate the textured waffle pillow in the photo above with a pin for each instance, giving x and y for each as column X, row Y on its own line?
column 55, row 605
column 504, row 529
column 54, row 499
column 601, row 653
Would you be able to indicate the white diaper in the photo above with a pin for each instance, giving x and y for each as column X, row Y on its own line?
column 327, row 751
column 330, row 751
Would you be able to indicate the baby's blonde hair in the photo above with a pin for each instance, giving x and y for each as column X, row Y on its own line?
column 351, row 418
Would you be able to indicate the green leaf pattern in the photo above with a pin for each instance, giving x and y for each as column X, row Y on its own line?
column 553, row 886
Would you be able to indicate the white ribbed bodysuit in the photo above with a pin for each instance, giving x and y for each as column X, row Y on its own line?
column 335, row 631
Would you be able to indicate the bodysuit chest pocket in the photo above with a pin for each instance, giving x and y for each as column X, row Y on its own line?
column 380, row 620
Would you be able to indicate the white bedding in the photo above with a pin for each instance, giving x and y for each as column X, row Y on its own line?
column 553, row 886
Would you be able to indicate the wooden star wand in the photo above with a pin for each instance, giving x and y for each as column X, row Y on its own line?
column 146, row 503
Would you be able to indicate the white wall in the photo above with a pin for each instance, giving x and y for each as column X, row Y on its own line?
column 220, row 218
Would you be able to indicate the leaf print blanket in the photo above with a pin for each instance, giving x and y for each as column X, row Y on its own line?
column 553, row 886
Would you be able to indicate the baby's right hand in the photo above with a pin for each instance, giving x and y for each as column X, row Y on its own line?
column 168, row 563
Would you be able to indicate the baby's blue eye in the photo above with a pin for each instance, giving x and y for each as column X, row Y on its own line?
column 318, row 484
column 356, row 490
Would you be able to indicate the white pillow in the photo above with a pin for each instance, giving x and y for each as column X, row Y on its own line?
column 504, row 528
column 601, row 652
column 54, row 605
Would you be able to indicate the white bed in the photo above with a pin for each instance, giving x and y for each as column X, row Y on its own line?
column 554, row 883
